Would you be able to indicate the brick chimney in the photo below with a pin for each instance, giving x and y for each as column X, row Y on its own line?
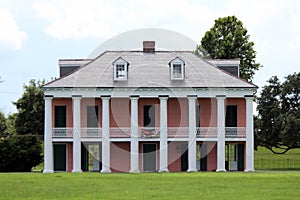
column 149, row 46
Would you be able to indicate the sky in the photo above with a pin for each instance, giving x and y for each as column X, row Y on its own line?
column 34, row 34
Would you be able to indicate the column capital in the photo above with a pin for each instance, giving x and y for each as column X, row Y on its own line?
column 221, row 97
column 163, row 97
column 76, row 97
column 249, row 97
column 134, row 97
column 191, row 96
column 48, row 97
column 105, row 97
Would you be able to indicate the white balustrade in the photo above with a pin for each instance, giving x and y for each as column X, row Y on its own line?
column 62, row 132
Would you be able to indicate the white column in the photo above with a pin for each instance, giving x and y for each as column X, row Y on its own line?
column 192, row 134
column 76, row 134
column 221, row 133
column 249, row 134
column 163, row 149
column 105, row 135
column 134, row 130
column 48, row 146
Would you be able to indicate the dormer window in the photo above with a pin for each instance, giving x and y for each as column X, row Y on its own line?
column 177, row 69
column 120, row 70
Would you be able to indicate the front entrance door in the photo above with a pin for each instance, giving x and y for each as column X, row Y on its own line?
column 149, row 157
column 184, row 157
column 234, row 157
column 60, row 157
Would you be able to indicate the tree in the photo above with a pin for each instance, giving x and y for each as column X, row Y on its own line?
column 228, row 39
column 278, row 122
column 30, row 116
column 19, row 153
column 2, row 124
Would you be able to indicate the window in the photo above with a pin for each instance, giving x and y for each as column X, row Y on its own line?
column 177, row 69
column 120, row 70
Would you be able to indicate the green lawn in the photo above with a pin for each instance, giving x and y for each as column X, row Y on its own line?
column 266, row 185
column 264, row 159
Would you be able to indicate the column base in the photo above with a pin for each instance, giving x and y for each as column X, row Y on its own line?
column 192, row 170
column 163, row 170
column 249, row 170
column 134, row 171
column 105, row 171
column 221, row 170
column 76, row 171
column 48, row 171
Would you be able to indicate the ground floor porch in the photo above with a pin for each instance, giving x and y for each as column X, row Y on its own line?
column 120, row 156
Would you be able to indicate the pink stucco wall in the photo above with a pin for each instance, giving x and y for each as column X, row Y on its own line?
column 208, row 112
column 120, row 156
column 211, row 156
column 177, row 112
column 120, row 112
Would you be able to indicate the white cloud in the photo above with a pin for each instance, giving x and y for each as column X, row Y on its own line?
column 11, row 37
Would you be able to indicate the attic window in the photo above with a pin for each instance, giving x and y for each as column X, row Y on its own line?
column 120, row 70
column 177, row 69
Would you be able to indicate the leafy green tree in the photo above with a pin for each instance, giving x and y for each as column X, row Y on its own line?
column 2, row 124
column 19, row 153
column 228, row 39
column 30, row 116
column 278, row 122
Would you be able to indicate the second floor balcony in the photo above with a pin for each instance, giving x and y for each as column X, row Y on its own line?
column 150, row 132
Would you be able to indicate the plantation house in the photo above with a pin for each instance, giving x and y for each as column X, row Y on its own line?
column 148, row 110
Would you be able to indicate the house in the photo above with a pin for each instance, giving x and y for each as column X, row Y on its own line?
column 148, row 110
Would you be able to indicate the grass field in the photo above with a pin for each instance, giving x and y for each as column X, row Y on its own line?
column 275, row 185
column 264, row 159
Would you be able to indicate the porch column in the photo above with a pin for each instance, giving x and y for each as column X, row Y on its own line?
column 249, row 134
column 134, row 130
column 48, row 146
column 105, row 135
column 163, row 144
column 221, row 133
column 192, row 133
column 76, row 134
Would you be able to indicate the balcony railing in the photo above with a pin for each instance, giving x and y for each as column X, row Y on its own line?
column 206, row 132
column 91, row 132
column 62, row 132
column 120, row 132
column 178, row 132
column 235, row 132
column 151, row 132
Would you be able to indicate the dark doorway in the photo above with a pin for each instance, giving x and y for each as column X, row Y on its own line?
column 60, row 157
column 184, row 157
column 149, row 157
column 60, row 119
column 231, row 116
column 149, row 116
column 91, row 157
column 203, row 157
column 240, row 157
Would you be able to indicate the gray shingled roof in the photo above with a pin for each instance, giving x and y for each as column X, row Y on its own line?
column 149, row 70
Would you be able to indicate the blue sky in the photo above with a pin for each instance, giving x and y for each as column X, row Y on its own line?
column 36, row 33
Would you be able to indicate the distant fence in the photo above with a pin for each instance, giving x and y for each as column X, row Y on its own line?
column 277, row 164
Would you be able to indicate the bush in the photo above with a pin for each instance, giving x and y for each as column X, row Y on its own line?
column 19, row 153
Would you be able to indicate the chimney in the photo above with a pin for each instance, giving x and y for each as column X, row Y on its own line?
column 149, row 46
